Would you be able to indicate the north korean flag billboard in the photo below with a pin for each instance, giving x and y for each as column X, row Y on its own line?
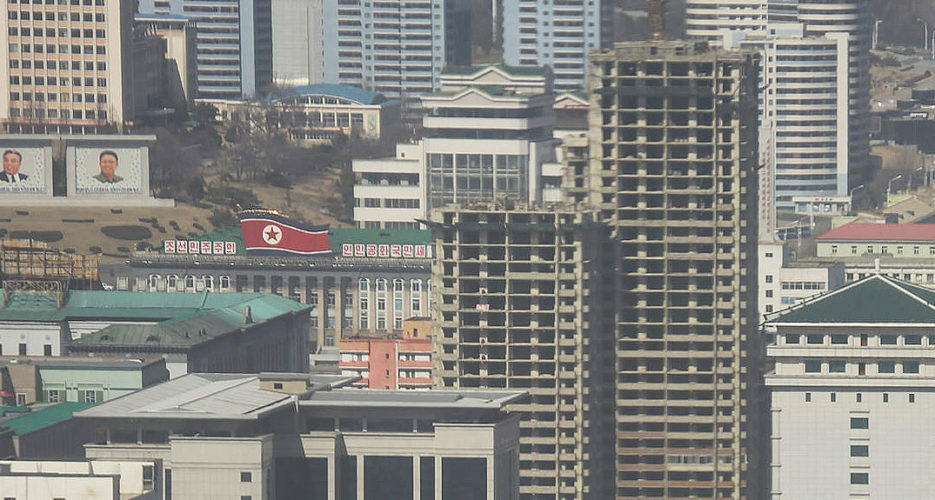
column 272, row 234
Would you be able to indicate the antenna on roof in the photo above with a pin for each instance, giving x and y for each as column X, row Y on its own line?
column 247, row 315
column 657, row 19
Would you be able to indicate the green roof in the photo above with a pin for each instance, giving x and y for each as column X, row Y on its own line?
column 44, row 417
column 339, row 236
column 151, row 306
column 4, row 410
column 875, row 299
column 195, row 327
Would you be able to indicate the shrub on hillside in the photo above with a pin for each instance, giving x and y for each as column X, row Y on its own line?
column 130, row 233
column 46, row 236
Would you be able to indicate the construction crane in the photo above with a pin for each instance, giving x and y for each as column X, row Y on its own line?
column 657, row 19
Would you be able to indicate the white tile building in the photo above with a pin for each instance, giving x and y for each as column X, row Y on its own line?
column 852, row 392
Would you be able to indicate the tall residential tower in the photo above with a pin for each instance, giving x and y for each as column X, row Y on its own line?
column 673, row 158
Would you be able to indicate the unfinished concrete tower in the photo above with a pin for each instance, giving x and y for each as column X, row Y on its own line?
column 673, row 154
column 523, row 300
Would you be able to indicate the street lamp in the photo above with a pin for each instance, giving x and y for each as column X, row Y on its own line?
column 851, row 195
column 889, row 186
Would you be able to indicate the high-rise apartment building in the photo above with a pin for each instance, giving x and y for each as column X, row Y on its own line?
column 810, row 78
column 68, row 66
column 297, row 42
column 673, row 159
column 706, row 19
column 803, row 111
column 391, row 47
column 559, row 35
column 234, row 43
column 522, row 299
column 851, row 17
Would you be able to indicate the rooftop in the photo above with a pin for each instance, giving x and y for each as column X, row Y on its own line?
column 868, row 231
column 877, row 299
column 215, row 396
column 119, row 305
column 508, row 70
column 80, row 362
column 355, row 94
column 197, row 326
column 41, row 418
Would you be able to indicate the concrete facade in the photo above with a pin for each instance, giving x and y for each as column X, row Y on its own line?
column 234, row 44
column 349, row 297
column 521, row 302
column 784, row 282
column 672, row 156
column 558, row 36
column 70, row 68
column 297, row 42
column 388, row 363
column 851, row 392
column 314, row 440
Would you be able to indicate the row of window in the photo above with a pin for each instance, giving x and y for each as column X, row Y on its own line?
column 53, row 64
column 864, row 339
column 52, row 16
column 192, row 282
column 840, row 366
column 61, row 32
column 63, row 82
column 99, row 3
column 16, row 48
column 859, row 397
column 46, row 350
column 885, row 249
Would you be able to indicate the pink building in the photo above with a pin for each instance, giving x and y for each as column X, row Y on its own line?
column 388, row 363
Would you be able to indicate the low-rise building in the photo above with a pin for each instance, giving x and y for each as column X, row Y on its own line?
column 49, row 432
column 64, row 379
column 908, row 241
column 245, row 332
column 784, row 281
column 290, row 436
column 375, row 280
column 313, row 114
column 852, row 392
column 95, row 479
column 388, row 363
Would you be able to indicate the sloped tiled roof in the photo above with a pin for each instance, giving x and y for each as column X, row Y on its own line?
column 875, row 299
column 868, row 231
column 195, row 327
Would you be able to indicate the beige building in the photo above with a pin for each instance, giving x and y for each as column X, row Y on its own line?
column 68, row 67
column 181, row 63
column 291, row 436
column 673, row 156
column 96, row 480
column 520, row 303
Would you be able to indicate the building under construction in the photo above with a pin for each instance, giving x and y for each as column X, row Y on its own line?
column 672, row 171
column 28, row 265
column 523, row 301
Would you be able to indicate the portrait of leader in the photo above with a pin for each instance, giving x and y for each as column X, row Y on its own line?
column 108, row 162
column 12, row 162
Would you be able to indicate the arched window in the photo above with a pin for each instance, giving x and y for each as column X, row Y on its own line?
column 225, row 282
column 154, row 282
column 172, row 282
column 209, row 282
column 189, row 282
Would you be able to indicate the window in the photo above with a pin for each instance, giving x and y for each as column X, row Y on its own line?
column 53, row 396
column 910, row 367
column 886, row 398
column 860, row 450
column 808, row 397
column 769, row 278
column 860, row 478
column 913, row 340
column 887, row 339
column 886, row 367
column 834, row 397
column 861, row 369
column 839, row 339
column 836, row 366
column 860, row 397
column 860, row 423
column 812, row 366
column 22, row 349
column 149, row 477
column 792, row 339
column 90, row 397
column 912, row 398
column 47, row 350
column 769, row 294
column 246, row 477
column 815, row 339
column 20, row 399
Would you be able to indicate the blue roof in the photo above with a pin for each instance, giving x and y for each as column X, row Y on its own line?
column 355, row 94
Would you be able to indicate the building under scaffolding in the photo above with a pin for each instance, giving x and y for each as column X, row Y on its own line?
column 34, row 266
